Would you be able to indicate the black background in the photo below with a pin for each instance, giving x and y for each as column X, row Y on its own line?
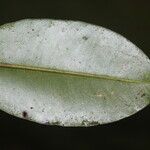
column 131, row 18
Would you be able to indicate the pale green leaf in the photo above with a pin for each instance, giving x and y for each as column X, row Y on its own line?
column 70, row 73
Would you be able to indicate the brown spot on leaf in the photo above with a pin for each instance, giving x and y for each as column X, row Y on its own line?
column 52, row 123
column 93, row 123
column 24, row 114
column 31, row 107
column 143, row 95
column 89, row 123
column 85, row 38
column 55, row 123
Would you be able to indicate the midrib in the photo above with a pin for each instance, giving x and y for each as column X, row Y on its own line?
column 70, row 73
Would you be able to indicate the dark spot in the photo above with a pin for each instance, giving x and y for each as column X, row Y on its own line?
column 84, row 122
column 93, row 123
column 52, row 123
column 85, row 38
column 28, row 32
column 77, row 29
column 43, row 110
column 136, row 98
column 31, row 107
column 32, row 29
column 24, row 114
column 89, row 123
column 55, row 123
column 128, row 105
column 79, row 62
column 143, row 95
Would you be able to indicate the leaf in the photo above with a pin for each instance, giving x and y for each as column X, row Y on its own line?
column 70, row 73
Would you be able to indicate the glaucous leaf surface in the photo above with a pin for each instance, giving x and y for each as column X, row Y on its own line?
column 70, row 73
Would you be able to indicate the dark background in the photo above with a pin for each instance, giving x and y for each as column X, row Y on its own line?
column 131, row 18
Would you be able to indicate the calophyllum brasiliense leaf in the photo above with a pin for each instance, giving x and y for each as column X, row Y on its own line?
column 70, row 73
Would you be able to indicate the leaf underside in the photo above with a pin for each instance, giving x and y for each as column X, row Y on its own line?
column 70, row 73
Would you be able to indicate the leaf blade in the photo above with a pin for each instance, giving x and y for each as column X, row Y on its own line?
column 63, row 91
